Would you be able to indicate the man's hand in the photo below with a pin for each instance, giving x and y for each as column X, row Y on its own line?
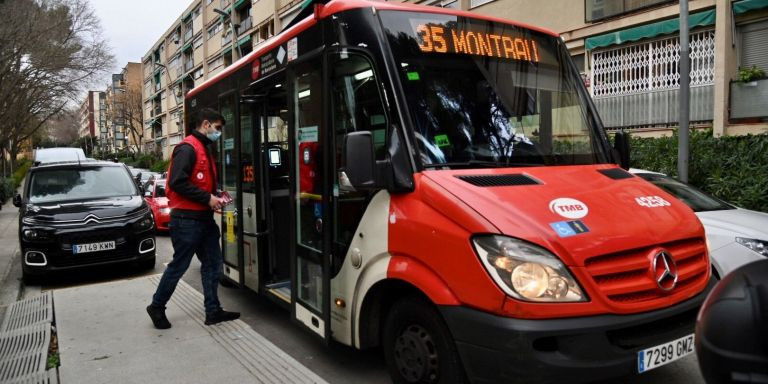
column 215, row 203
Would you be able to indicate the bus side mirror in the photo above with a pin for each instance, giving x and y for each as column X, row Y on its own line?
column 17, row 200
column 360, row 162
column 621, row 149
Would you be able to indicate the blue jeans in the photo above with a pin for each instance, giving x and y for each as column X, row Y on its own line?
column 189, row 237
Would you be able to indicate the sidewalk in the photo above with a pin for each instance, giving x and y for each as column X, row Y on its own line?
column 10, row 269
column 105, row 336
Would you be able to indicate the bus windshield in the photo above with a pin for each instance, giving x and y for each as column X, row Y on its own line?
column 482, row 93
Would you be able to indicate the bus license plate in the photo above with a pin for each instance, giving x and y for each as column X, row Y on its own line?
column 93, row 247
column 664, row 354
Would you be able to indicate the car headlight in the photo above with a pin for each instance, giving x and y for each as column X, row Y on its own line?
column 31, row 234
column 165, row 210
column 145, row 223
column 759, row 246
column 526, row 271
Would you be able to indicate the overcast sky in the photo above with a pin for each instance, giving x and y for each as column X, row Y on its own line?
column 132, row 27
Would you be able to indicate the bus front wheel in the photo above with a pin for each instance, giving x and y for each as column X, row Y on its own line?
column 417, row 345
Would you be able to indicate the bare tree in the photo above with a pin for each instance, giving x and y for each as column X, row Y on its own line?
column 131, row 108
column 50, row 51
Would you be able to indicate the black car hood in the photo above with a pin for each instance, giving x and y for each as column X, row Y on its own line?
column 85, row 210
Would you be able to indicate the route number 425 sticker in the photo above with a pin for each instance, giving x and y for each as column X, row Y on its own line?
column 651, row 201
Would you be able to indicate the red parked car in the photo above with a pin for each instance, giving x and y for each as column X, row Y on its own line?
column 154, row 194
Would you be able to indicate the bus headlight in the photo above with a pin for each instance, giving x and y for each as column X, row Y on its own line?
column 526, row 271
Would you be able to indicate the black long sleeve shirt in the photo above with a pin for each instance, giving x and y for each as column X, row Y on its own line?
column 183, row 163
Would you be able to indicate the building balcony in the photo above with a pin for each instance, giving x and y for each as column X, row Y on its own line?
column 245, row 25
column 748, row 100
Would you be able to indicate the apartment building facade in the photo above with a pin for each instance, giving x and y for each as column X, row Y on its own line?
column 92, row 114
column 124, row 109
column 207, row 37
column 629, row 50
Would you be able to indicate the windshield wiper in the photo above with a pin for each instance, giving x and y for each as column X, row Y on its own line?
column 479, row 164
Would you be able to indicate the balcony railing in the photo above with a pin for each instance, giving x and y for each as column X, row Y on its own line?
column 226, row 39
column 245, row 25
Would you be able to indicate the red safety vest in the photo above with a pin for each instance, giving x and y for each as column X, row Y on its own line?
column 202, row 176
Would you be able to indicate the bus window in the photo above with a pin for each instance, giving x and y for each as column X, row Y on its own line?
column 356, row 106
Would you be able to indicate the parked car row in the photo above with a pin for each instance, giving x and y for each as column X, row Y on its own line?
column 76, row 212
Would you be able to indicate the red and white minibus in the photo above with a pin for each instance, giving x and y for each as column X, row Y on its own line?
column 438, row 183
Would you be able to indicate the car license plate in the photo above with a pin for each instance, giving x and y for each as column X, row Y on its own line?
column 93, row 247
column 663, row 354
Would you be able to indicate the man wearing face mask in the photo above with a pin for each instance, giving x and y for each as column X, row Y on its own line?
column 192, row 197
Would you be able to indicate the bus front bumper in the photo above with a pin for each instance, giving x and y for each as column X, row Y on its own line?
column 496, row 349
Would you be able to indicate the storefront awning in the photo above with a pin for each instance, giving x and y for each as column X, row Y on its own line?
column 743, row 6
column 647, row 31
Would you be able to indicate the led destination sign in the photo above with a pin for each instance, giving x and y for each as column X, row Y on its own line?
column 445, row 39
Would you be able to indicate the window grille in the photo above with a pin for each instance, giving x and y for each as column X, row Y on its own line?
column 638, row 84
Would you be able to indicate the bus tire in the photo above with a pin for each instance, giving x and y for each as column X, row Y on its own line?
column 418, row 346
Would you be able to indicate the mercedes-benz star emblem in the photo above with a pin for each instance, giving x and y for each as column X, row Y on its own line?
column 664, row 270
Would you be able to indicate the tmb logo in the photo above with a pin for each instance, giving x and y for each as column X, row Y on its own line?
column 568, row 208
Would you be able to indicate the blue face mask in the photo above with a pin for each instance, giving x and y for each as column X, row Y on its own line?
column 213, row 136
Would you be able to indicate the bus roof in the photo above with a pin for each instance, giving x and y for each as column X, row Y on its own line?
column 336, row 6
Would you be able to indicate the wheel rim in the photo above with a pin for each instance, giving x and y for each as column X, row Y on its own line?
column 416, row 355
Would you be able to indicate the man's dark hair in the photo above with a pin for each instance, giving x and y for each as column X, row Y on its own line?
column 209, row 114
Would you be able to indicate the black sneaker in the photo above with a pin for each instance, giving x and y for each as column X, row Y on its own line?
column 157, row 314
column 221, row 315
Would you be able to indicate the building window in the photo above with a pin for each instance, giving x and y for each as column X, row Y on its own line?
column 214, row 29
column 196, row 13
column 601, row 9
column 198, row 42
column 198, row 73
column 638, row 84
column 753, row 49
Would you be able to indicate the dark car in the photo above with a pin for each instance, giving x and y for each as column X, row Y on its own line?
column 82, row 213
column 154, row 194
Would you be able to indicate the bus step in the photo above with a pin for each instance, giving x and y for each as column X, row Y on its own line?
column 281, row 290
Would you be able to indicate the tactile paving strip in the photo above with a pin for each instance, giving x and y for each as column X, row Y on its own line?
column 23, row 352
column 267, row 362
column 25, row 313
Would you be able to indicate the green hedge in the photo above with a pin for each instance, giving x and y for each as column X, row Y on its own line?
column 9, row 185
column 733, row 168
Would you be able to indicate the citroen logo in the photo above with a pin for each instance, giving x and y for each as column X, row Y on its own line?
column 664, row 270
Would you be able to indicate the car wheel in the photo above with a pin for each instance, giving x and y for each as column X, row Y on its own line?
column 418, row 347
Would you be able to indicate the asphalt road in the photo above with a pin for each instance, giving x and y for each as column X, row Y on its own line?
column 335, row 363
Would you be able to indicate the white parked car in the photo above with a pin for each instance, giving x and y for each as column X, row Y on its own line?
column 736, row 236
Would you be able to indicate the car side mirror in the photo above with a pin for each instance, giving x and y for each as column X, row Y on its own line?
column 361, row 169
column 17, row 200
column 621, row 149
